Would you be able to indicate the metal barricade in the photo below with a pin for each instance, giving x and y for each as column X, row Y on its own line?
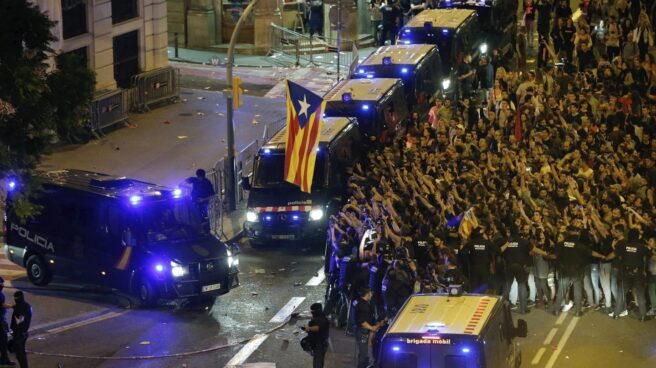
column 244, row 165
column 270, row 129
column 108, row 109
column 155, row 86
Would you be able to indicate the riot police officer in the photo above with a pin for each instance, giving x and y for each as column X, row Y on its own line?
column 572, row 257
column 517, row 257
column 397, row 286
column 392, row 16
column 479, row 252
column 632, row 256
column 364, row 325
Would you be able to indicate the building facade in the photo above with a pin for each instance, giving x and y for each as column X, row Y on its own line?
column 116, row 38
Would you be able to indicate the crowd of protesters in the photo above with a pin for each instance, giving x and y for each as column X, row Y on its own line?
column 537, row 185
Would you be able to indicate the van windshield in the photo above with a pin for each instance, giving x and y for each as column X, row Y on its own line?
column 167, row 220
column 269, row 172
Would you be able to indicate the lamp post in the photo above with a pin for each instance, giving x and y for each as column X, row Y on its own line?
column 231, row 182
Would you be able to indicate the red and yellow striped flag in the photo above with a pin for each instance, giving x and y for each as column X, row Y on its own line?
column 304, row 124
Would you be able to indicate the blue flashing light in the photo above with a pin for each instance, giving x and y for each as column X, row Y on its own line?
column 295, row 217
column 369, row 76
column 12, row 185
column 387, row 60
column 318, row 149
column 396, row 348
column 445, row 31
column 135, row 199
column 177, row 193
column 404, row 70
column 347, row 96
column 361, row 71
column 406, row 30
column 159, row 268
column 267, row 151
column 406, row 42
column 465, row 350
column 267, row 217
column 365, row 107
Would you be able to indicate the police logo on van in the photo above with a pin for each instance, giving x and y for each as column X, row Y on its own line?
column 33, row 237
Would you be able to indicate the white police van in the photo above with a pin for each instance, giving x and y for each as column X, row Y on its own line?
column 440, row 330
column 121, row 233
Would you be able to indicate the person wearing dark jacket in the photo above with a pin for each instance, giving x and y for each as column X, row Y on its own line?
column 4, row 357
column 318, row 330
column 20, row 325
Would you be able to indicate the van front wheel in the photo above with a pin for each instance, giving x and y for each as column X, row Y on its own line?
column 146, row 294
column 37, row 271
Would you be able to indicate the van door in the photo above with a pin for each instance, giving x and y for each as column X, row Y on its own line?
column 67, row 235
column 114, row 258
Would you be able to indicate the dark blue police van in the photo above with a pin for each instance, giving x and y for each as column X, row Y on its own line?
column 125, row 234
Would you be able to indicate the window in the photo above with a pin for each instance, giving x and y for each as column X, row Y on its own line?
column 126, row 58
column 123, row 10
column 80, row 55
column 74, row 17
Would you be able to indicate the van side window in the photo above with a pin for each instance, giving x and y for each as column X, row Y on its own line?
column 115, row 221
column 87, row 217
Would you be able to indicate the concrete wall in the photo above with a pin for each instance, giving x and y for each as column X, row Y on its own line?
column 151, row 24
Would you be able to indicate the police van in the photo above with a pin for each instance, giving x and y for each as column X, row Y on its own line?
column 121, row 233
column 497, row 21
column 441, row 330
column 378, row 104
column 454, row 31
column 280, row 211
column 419, row 66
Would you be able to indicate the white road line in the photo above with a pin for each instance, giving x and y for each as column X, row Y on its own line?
column 318, row 279
column 550, row 336
column 538, row 356
column 85, row 322
column 560, row 319
column 562, row 342
column 246, row 351
column 287, row 310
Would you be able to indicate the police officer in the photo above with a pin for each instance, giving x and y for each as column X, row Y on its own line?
column 517, row 257
column 4, row 357
column 318, row 330
column 364, row 326
column 201, row 191
column 572, row 257
column 632, row 256
column 397, row 286
column 20, row 324
column 392, row 16
column 479, row 252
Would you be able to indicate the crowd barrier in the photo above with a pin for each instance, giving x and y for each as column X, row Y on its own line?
column 155, row 86
column 108, row 109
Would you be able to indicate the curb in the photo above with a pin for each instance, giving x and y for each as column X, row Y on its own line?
column 180, row 60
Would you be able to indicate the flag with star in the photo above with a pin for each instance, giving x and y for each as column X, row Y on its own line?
column 304, row 123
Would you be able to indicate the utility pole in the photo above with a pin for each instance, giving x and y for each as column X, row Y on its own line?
column 339, row 33
column 231, row 189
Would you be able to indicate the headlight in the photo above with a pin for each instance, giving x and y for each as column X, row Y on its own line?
column 316, row 214
column 483, row 48
column 233, row 261
column 178, row 270
column 446, row 83
column 251, row 216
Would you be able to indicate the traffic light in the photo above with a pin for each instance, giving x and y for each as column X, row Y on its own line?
column 236, row 92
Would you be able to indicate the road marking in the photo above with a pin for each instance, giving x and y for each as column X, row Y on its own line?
column 560, row 319
column 85, row 322
column 550, row 336
column 562, row 342
column 246, row 351
column 287, row 310
column 538, row 356
column 317, row 279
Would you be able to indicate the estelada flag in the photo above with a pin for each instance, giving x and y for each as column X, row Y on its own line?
column 304, row 123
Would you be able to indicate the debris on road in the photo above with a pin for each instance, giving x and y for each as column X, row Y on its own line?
column 260, row 270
